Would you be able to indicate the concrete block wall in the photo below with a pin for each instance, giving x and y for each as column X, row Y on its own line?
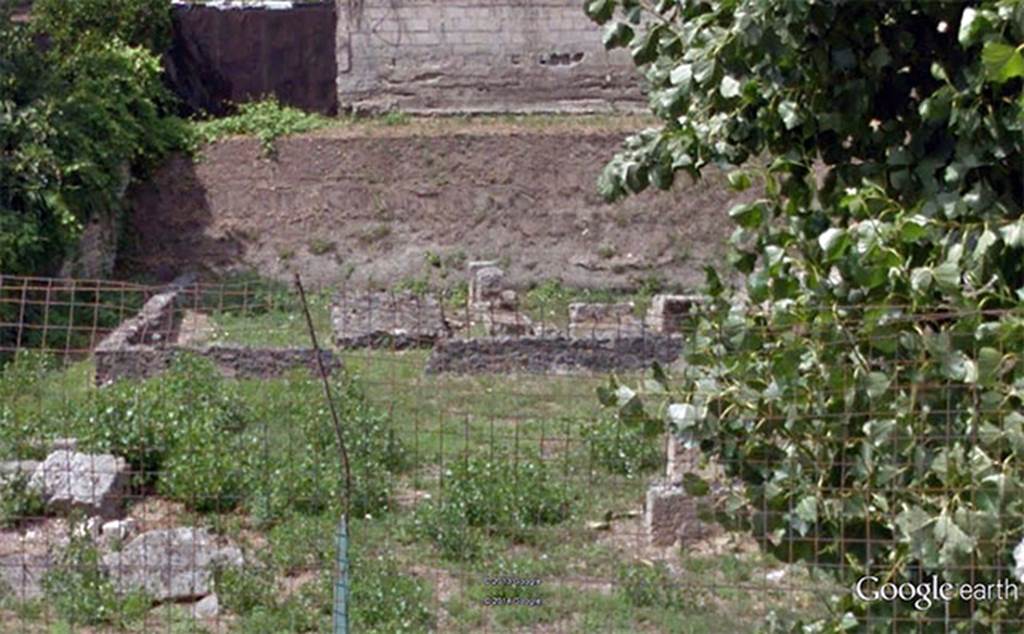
column 479, row 56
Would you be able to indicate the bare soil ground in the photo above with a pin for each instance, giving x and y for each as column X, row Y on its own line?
column 367, row 202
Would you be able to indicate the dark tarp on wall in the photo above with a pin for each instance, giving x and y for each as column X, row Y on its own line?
column 224, row 56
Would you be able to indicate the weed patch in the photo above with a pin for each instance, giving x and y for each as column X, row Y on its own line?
column 267, row 120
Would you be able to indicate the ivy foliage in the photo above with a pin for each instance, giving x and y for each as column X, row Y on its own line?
column 864, row 381
column 81, row 102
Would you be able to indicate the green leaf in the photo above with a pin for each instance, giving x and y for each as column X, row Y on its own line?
column 703, row 70
column 985, row 242
column 730, row 87
column 953, row 539
column 921, row 279
column 807, row 509
column 947, row 275
column 747, row 215
column 831, row 239
column 617, row 34
column 914, row 228
column 1013, row 233
column 972, row 25
column 739, row 180
column 988, row 362
column 600, row 11
column 790, row 114
column 877, row 383
column 646, row 50
column 681, row 75
column 1002, row 62
column 683, row 415
column 912, row 520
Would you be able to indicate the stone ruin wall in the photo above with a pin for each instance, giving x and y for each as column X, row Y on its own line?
column 145, row 345
column 551, row 355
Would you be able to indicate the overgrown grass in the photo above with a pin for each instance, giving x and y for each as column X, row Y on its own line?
column 457, row 479
column 274, row 323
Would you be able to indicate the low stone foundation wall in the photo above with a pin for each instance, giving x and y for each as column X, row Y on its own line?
column 154, row 323
column 146, row 344
column 141, row 362
column 394, row 321
column 547, row 355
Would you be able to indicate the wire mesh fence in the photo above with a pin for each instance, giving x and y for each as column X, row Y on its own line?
column 169, row 464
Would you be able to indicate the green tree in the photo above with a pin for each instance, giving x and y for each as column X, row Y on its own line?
column 145, row 23
column 73, row 117
column 864, row 381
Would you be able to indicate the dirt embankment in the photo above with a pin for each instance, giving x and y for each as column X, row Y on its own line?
column 368, row 202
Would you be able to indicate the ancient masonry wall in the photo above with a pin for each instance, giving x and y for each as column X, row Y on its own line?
column 479, row 56
column 144, row 346
column 552, row 355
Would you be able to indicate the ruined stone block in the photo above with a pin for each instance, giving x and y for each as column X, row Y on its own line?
column 671, row 515
column 604, row 320
column 668, row 313
column 171, row 565
column 488, row 283
column 94, row 483
column 387, row 320
column 507, row 323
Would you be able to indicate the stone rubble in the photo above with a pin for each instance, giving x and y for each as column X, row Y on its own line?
column 71, row 480
column 171, row 564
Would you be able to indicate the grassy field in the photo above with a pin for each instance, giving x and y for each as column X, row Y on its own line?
column 459, row 479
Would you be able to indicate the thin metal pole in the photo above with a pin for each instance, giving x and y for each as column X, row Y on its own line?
column 341, row 584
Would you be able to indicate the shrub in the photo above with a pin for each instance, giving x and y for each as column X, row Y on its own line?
column 650, row 585
column 382, row 597
column 385, row 598
column 303, row 542
column 181, row 412
column 18, row 503
column 206, row 466
column 22, row 389
column 247, row 588
column 620, row 448
column 483, row 497
column 306, row 473
column 80, row 592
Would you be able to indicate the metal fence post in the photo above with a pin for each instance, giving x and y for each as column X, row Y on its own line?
column 341, row 584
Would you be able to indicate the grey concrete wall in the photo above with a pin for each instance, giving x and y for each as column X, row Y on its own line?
column 551, row 355
column 479, row 56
